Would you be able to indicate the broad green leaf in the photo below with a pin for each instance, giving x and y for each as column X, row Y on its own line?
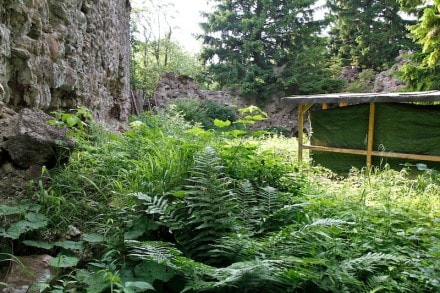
column 6, row 210
column 93, row 238
column 33, row 222
column 151, row 271
column 72, row 245
column 10, row 210
column 139, row 286
column 71, row 120
column 258, row 118
column 180, row 193
column 221, row 123
column 39, row 244
column 64, row 261
column 245, row 121
column 422, row 167
column 133, row 234
column 237, row 133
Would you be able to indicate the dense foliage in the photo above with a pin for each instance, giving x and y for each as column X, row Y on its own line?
column 266, row 48
column 153, row 50
column 424, row 70
column 367, row 34
column 170, row 207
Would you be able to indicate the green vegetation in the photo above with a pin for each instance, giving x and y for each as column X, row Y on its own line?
column 153, row 51
column 171, row 207
column 423, row 72
column 367, row 34
column 264, row 48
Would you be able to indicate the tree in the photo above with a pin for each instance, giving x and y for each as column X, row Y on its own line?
column 367, row 34
column 263, row 47
column 153, row 50
column 423, row 73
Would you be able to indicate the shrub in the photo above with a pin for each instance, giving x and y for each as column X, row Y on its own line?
column 204, row 112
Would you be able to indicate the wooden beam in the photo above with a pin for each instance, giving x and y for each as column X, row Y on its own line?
column 335, row 150
column 370, row 132
column 374, row 153
column 407, row 156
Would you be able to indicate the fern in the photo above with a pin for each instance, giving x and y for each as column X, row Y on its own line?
column 206, row 213
column 156, row 205
column 268, row 198
column 369, row 262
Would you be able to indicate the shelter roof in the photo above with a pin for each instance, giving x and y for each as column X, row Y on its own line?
column 360, row 98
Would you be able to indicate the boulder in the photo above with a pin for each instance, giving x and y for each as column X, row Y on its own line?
column 27, row 143
column 26, row 271
column 28, row 140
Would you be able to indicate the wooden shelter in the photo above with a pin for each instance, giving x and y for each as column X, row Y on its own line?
column 306, row 102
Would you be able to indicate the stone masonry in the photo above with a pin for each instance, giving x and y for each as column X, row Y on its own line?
column 60, row 54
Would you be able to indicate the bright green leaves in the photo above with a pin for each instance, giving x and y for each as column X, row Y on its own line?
column 427, row 33
column 423, row 70
column 221, row 124
column 30, row 220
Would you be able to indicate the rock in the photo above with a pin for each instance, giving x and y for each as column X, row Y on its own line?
column 173, row 86
column 385, row 81
column 60, row 54
column 29, row 140
column 27, row 271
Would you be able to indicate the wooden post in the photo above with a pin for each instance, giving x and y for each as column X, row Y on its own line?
column 302, row 109
column 370, row 133
column 300, row 131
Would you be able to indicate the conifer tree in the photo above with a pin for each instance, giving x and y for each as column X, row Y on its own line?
column 263, row 47
column 424, row 71
column 368, row 34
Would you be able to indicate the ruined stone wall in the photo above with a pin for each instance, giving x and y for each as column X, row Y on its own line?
column 174, row 86
column 59, row 54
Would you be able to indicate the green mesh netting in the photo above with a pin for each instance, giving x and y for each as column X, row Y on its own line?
column 402, row 128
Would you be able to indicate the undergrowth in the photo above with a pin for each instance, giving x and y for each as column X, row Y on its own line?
column 172, row 207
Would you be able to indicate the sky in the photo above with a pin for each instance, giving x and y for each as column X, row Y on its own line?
column 186, row 21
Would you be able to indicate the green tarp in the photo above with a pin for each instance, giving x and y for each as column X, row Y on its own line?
column 401, row 128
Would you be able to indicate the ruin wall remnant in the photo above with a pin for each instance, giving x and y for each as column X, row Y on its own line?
column 60, row 54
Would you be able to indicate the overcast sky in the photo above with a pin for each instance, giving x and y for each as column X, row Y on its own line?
column 187, row 19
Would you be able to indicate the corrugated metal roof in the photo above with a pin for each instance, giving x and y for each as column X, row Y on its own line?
column 360, row 98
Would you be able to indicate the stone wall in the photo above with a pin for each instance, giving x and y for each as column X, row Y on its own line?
column 174, row 86
column 60, row 54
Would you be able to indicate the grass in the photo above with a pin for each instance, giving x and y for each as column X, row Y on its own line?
column 288, row 226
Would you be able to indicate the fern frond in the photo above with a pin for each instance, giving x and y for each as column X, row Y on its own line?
column 207, row 212
column 369, row 262
column 328, row 222
column 165, row 253
column 155, row 204
column 160, row 252
column 269, row 199
column 255, row 275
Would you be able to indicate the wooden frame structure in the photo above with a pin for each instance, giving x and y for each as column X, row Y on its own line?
column 306, row 102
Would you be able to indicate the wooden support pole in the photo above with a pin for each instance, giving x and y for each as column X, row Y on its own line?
column 370, row 133
column 302, row 109
column 300, row 131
